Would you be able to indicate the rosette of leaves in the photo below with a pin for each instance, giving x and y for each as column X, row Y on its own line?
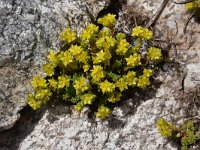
column 95, row 68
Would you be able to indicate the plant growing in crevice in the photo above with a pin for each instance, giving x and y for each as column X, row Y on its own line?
column 193, row 7
column 187, row 134
column 96, row 68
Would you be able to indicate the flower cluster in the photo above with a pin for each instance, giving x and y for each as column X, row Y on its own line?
column 106, row 86
column 143, row 80
column 186, row 134
column 96, row 68
column 67, row 35
column 81, row 85
column 195, row 4
column 88, row 98
column 42, row 94
column 97, row 73
column 89, row 32
column 63, row 81
column 133, row 60
column 143, row 33
column 103, row 112
column 122, row 47
column 154, row 53
column 105, row 42
column 107, row 21
column 166, row 129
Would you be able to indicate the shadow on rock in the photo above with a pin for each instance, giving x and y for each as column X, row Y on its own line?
column 128, row 107
column 114, row 7
column 56, row 110
column 11, row 138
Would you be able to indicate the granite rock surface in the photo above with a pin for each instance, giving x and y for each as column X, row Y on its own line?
column 133, row 124
column 28, row 30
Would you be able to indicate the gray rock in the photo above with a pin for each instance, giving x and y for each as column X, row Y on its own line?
column 28, row 29
column 132, row 125
column 192, row 78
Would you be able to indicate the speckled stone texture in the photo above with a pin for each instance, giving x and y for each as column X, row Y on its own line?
column 132, row 126
column 28, row 29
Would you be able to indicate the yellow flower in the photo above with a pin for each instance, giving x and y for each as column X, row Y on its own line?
column 121, row 84
column 131, row 78
column 147, row 34
column 100, row 57
column 103, row 112
column 82, row 57
column 81, row 85
column 143, row 81
column 75, row 50
column 154, row 53
column 49, row 69
column 108, row 55
column 104, row 32
column 63, row 81
column 86, row 67
column 133, row 60
column 137, row 31
column 67, row 35
column 114, row 97
column 107, row 86
column 89, row 32
column 100, row 42
column 43, row 95
column 105, row 42
column 147, row 72
column 88, row 98
column 107, row 21
column 166, row 129
column 192, row 5
column 97, row 73
column 53, row 57
column 143, row 33
column 79, row 106
column 38, row 82
column 122, row 47
column 53, row 83
column 35, row 104
column 65, row 57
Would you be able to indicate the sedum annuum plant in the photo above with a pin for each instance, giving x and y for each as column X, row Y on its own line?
column 187, row 134
column 96, row 68
column 193, row 5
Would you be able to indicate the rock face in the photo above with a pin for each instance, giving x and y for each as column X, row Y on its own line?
column 130, row 126
column 30, row 28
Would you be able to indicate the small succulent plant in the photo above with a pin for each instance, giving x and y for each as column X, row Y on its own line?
column 186, row 134
column 96, row 67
